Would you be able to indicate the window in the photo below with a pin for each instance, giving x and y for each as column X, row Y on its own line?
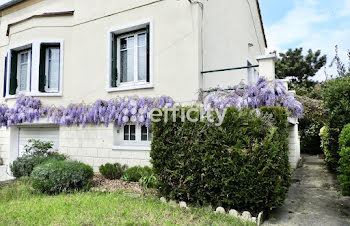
column 49, row 74
column 133, row 135
column 34, row 69
column 23, row 70
column 129, row 132
column 130, row 57
column 146, row 134
column 20, row 73
column 252, row 75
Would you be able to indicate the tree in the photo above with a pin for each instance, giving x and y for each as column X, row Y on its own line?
column 342, row 70
column 299, row 68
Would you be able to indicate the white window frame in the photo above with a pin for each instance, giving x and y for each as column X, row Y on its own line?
column 135, row 82
column 47, row 89
column 35, row 62
column 137, row 144
column 29, row 66
column 252, row 74
column 120, row 31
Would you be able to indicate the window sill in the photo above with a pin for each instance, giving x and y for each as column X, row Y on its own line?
column 130, row 87
column 132, row 147
column 34, row 95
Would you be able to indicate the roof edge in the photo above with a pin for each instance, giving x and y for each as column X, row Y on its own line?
column 261, row 23
column 10, row 3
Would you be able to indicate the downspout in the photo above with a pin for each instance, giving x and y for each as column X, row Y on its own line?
column 201, row 38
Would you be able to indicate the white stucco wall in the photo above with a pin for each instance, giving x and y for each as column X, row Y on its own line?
column 228, row 28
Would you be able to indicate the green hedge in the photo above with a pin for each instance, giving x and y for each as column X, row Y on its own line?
column 112, row 171
column 336, row 100
column 54, row 177
column 344, row 162
column 242, row 164
column 310, row 125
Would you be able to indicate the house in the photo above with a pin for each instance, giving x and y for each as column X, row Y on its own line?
column 69, row 51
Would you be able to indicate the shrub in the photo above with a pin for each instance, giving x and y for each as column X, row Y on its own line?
column 36, row 152
column 135, row 173
column 55, row 176
column 310, row 125
column 336, row 101
column 112, row 171
column 344, row 161
column 242, row 164
column 149, row 181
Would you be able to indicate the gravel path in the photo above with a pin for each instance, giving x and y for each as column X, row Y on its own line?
column 313, row 198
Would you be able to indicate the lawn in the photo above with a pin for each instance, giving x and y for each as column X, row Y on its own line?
column 19, row 205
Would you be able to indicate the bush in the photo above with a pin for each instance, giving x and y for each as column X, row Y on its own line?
column 112, row 171
column 243, row 164
column 310, row 125
column 344, row 161
column 336, row 101
column 149, row 181
column 36, row 152
column 54, row 177
column 135, row 173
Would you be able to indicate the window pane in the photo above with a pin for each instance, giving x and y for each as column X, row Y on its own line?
column 144, row 133
column 127, row 59
column 142, row 57
column 22, row 73
column 132, row 132
column 126, row 132
column 54, row 68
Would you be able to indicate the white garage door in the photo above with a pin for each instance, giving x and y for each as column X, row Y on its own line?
column 38, row 133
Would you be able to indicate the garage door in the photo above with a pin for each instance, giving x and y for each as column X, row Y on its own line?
column 39, row 133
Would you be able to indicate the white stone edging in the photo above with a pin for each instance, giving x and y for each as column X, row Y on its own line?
column 245, row 216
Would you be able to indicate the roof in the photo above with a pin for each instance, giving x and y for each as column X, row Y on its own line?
column 10, row 3
column 261, row 22
column 14, row 2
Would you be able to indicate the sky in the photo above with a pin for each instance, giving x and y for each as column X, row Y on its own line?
column 311, row 24
column 3, row 1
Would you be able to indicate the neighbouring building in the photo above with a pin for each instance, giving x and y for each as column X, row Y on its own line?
column 69, row 51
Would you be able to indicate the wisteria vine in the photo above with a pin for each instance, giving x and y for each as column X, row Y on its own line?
column 263, row 93
column 120, row 111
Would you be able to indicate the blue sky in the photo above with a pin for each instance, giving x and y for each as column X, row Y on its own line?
column 315, row 24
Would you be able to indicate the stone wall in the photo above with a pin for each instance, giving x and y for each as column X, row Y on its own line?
column 93, row 145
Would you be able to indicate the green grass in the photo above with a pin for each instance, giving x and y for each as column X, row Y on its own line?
column 19, row 205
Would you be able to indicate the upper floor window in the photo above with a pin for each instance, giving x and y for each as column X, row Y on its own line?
column 20, row 70
column 49, row 75
column 23, row 70
column 35, row 69
column 131, row 57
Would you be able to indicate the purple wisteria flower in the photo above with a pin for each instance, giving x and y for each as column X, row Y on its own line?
column 263, row 93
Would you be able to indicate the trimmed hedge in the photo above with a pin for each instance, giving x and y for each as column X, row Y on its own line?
column 344, row 162
column 112, row 171
column 54, row 177
column 243, row 164
column 336, row 101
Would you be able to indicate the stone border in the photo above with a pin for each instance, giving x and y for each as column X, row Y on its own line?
column 245, row 216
